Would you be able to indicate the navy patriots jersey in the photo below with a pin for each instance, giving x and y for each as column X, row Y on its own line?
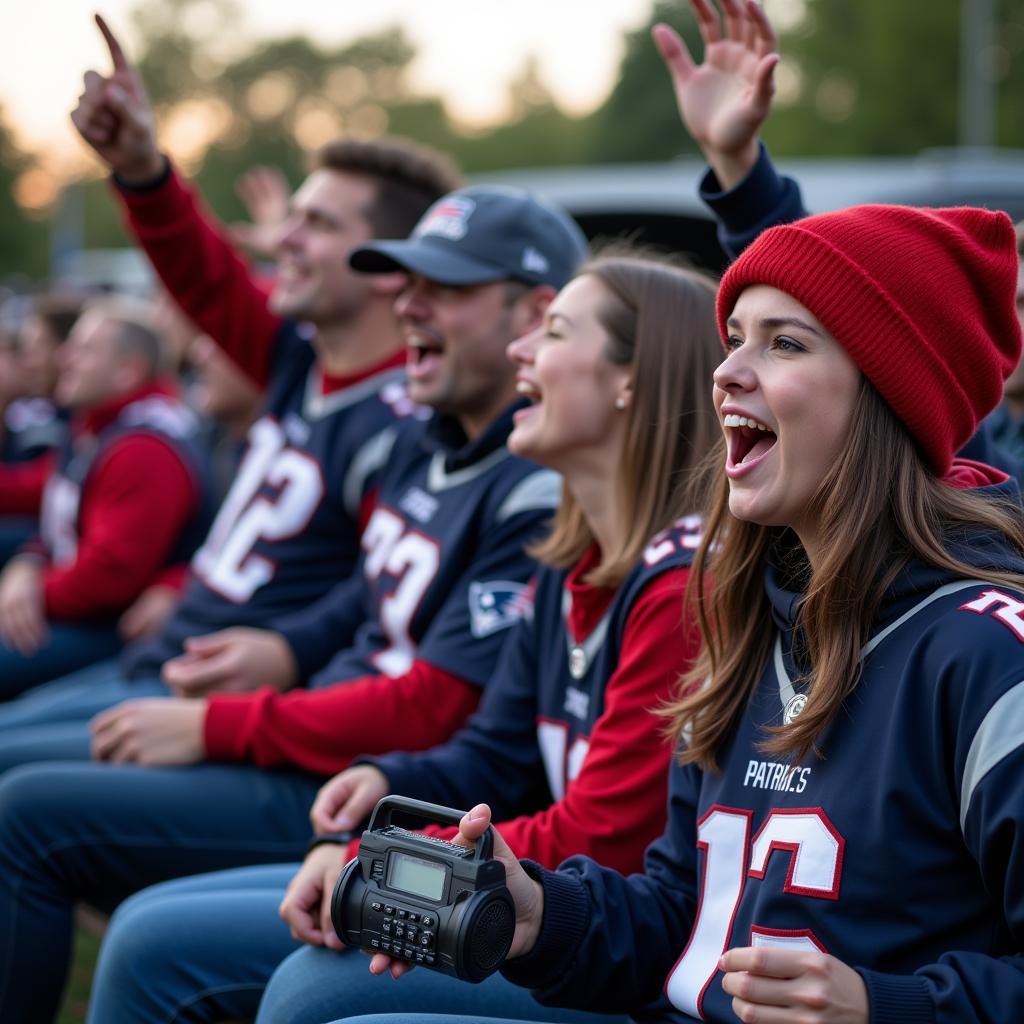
column 156, row 414
column 443, row 570
column 526, row 745
column 900, row 851
column 289, row 527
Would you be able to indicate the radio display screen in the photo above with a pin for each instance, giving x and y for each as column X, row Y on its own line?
column 417, row 876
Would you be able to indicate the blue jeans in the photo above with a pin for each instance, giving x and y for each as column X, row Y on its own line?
column 51, row 722
column 196, row 949
column 100, row 832
column 447, row 1018
column 68, row 647
column 316, row 984
column 204, row 948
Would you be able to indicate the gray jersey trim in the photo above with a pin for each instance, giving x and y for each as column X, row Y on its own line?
column 439, row 479
column 540, row 490
column 1000, row 733
column 786, row 689
column 316, row 405
column 367, row 460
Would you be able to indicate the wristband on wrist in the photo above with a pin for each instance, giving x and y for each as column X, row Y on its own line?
column 336, row 838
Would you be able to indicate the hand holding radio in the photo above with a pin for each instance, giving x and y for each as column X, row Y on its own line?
column 419, row 900
column 527, row 895
column 347, row 799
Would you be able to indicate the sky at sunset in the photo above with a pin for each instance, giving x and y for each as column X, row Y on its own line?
column 468, row 50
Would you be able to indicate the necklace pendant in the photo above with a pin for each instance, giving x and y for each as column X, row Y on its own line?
column 577, row 662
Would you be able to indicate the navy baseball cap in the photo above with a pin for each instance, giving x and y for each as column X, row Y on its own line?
column 483, row 233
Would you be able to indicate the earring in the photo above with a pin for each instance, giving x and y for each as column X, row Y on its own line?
column 620, row 403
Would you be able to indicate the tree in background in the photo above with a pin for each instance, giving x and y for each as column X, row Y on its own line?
column 867, row 78
column 881, row 78
column 22, row 237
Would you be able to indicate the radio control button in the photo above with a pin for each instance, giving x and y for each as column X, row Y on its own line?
column 399, row 931
column 426, row 939
column 386, row 946
column 413, row 917
column 376, row 905
column 420, row 958
column 375, row 943
column 409, row 952
column 428, row 921
column 388, row 909
column 411, row 931
column 403, row 914
column 428, row 958
column 385, row 927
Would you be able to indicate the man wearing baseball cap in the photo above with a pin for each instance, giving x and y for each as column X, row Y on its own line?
column 416, row 633
column 483, row 263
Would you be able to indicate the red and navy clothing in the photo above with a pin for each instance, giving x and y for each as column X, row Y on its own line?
column 442, row 575
column 565, row 747
column 127, row 498
column 900, row 851
column 32, row 431
column 288, row 530
column 764, row 199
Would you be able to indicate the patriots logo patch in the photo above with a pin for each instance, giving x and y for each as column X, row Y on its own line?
column 447, row 218
column 497, row 604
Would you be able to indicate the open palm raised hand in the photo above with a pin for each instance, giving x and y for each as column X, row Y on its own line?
column 724, row 100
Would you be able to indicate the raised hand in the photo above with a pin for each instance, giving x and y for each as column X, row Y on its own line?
column 114, row 116
column 527, row 893
column 264, row 190
column 724, row 100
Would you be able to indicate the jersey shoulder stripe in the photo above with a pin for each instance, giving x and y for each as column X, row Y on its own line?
column 541, row 490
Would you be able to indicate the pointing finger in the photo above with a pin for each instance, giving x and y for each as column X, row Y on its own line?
column 116, row 53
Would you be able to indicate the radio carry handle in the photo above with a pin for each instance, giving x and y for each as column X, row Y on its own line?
column 388, row 806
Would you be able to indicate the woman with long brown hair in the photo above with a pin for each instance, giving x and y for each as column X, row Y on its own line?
column 564, row 743
column 846, row 826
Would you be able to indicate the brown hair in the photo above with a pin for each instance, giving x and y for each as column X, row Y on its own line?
column 409, row 177
column 871, row 524
column 660, row 321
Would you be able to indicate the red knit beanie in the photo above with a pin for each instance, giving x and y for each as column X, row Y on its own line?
column 922, row 300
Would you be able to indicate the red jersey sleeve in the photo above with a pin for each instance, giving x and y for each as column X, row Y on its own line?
column 203, row 271
column 322, row 730
column 22, row 485
column 617, row 803
column 138, row 500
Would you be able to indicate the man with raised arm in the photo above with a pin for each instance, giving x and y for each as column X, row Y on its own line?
column 327, row 352
column 443, row 575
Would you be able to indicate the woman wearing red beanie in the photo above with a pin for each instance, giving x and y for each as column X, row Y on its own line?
column 846, row 822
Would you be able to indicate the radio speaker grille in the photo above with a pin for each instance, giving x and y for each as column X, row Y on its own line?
column 492, row 935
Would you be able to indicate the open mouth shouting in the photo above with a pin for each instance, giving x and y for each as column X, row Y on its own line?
column 749, row 443
column 532, row 393
column 424, row 353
